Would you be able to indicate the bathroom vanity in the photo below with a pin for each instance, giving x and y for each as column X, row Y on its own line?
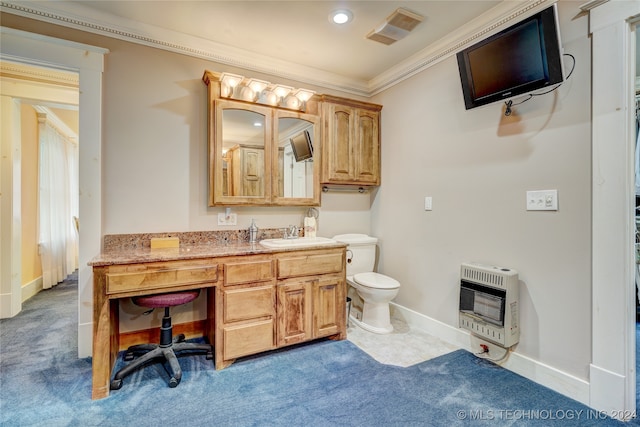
column 258, row 298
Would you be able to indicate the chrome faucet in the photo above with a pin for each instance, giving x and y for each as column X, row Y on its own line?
column 291, row 232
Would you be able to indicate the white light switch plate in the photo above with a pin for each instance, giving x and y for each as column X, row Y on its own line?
column 542, row 200
column 224, row 219
column 428, row 203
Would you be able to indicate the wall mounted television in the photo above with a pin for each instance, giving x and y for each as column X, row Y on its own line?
column 302, row 146
column 523, row 58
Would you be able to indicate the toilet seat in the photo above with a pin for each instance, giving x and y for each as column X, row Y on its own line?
column 376, row 281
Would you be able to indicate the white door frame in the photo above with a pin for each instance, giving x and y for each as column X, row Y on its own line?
column 612, row 371
column 10, row 209
column 88, row 62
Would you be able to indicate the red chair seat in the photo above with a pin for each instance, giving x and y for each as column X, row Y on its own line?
column 166, row 300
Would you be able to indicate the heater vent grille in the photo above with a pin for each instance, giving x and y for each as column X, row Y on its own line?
column 492, row 276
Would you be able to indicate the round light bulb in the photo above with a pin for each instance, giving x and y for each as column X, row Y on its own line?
column 341, row 16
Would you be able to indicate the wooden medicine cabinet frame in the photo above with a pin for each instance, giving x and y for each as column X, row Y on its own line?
column 257, row 177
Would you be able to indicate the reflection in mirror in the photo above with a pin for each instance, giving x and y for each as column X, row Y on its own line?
column 243, row 153
column 295, row 158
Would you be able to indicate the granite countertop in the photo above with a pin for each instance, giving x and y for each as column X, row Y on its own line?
column 135, row 248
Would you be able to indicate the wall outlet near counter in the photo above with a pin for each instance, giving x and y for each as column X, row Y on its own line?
column 230, row 219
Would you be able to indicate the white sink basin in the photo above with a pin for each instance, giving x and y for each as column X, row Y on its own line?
column 296, row 243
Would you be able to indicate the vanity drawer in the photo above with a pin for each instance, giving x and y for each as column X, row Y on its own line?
column 247, row 272
column 243, row 340
column 248, row 303
column 137, row 277
column 312, row 264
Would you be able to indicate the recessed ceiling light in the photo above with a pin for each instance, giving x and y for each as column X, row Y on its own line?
column 341, row 16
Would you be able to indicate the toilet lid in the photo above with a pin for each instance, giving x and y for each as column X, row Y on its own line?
column 376, row 280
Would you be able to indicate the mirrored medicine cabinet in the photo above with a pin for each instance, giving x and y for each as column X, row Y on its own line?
column 261, row 155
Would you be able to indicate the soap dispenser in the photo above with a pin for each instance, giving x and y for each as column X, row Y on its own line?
column 310, row 224
column 253, row 231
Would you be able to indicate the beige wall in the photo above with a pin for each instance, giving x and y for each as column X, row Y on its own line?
column 155, row 151
column 477, row 165
column 31, row 264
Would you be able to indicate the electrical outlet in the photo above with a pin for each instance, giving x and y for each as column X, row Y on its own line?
column 230, row 219
column 542, row 200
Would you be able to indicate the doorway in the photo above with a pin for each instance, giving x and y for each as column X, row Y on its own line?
column 88, row 61
column 44, row 104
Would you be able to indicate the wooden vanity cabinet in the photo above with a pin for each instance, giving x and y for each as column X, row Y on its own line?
column 294, row 312
column 351, row 136
column 245, row 309
column 329, row 307
column 255, row 302
column 311, row 296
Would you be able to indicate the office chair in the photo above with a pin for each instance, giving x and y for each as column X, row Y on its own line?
column 168, row 346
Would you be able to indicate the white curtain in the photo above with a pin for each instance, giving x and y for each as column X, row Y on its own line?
column 58, row 205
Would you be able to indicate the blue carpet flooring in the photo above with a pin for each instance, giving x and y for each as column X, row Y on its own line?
column 327, row 383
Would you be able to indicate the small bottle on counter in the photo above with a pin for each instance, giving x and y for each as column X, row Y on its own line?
column 309, row 226
column 253, row 231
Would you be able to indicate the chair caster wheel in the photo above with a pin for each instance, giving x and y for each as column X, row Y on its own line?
column 115, row 384
column 128, row 356
column 179, row 338
column 173, row 383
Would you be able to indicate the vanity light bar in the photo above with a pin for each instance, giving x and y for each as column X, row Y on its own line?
column 228, row 83
column 258, row 85
column 235, row 86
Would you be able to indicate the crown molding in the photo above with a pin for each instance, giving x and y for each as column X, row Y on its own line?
column 38, row 74
column 77, row 16
column 592, row 4
column 485, row 25
column 33, row 84
column 45, row 115
column 86, row 19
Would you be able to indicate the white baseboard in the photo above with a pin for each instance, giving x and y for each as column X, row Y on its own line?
column 31, row 288
column 548, row 376
column 85, row 340
column 605, row 391
column 7, row 309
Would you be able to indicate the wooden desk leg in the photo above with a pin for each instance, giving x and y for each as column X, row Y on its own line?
column 219, row 322
column 210, row 333
column 105, row 338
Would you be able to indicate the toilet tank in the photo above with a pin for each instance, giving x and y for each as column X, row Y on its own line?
column 361, row 250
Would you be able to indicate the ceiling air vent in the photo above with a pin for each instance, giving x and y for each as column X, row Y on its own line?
column 395, row 27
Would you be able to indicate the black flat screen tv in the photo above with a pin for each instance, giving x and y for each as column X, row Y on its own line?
column 523, row 58
column 302, row 146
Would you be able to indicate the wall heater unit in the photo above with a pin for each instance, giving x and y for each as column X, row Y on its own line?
column 489, row 303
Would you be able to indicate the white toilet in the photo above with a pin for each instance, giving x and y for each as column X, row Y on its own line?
column 376, row 290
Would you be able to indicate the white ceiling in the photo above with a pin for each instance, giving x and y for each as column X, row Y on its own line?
column 300, row 31
column 294, row 39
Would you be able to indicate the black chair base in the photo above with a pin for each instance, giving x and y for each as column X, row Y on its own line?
column 155, row 351
column 166, row 350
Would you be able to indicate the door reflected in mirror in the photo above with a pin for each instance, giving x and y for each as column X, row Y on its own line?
column 243, row 153
column 295, row 158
